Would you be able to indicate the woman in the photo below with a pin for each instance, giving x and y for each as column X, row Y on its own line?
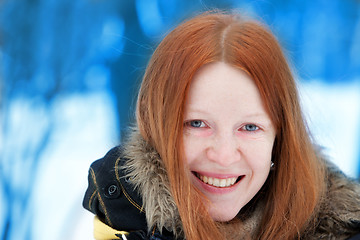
column 220, row 149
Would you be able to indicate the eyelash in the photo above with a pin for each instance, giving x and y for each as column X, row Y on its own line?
column 252, row 125
column 203, row 125
column 189, row 123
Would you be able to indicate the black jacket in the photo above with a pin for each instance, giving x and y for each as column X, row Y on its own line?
column 112, row 198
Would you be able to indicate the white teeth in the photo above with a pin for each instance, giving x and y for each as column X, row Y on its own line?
column 228, row 182
column 222, row 182
column 205, row 179
column 216, row 182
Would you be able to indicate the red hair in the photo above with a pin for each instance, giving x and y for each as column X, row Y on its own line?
column 294, row 188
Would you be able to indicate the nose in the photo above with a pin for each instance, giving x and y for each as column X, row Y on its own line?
column 224, row 150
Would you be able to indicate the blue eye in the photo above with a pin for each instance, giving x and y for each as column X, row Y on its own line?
column 250, row 127
column 196, row 124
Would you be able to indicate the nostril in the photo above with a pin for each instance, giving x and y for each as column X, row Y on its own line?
column 223, row 155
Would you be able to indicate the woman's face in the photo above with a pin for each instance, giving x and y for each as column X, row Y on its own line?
column 228, row 138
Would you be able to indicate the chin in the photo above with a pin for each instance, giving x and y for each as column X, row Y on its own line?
column 222, row 217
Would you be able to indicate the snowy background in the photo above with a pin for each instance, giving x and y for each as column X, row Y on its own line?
column 69, row 70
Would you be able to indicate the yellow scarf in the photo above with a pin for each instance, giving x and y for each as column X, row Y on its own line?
column 105, row 232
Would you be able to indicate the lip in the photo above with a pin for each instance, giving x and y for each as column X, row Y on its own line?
column 213, row 189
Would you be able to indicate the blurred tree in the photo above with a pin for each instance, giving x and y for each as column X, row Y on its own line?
column 46, row 47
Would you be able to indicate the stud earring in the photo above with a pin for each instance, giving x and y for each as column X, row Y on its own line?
column 272, row 165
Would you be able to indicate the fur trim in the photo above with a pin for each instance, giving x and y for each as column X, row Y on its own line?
column 148, row 174
column 338, row 215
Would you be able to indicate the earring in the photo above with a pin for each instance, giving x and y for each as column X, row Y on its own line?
column 272, row 165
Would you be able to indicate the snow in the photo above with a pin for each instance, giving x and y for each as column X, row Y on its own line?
column 333, row 115
column 85, row 130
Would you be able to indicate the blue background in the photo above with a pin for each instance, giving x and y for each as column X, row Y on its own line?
column 69, row 70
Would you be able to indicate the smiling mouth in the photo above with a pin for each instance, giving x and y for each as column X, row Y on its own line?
column 218, row 182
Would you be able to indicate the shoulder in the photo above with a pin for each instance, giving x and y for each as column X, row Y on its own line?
column 339, row 210
column 355, row 237
column 111, row 197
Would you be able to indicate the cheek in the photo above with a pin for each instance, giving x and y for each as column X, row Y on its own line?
column 259, row 154
column 191, row 149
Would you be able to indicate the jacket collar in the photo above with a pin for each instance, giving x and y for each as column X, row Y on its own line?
column 147, row 173
column 338, row 212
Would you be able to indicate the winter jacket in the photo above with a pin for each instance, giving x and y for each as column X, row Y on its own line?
column 129, row 194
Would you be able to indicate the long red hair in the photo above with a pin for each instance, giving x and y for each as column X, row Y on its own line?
column 294, row 188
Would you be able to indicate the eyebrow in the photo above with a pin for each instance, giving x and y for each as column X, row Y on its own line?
column 195, row 110
column 256, row 114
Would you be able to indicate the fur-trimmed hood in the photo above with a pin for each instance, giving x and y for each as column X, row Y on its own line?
column 338, row 215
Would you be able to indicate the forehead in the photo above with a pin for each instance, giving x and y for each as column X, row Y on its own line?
column 219, row 83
